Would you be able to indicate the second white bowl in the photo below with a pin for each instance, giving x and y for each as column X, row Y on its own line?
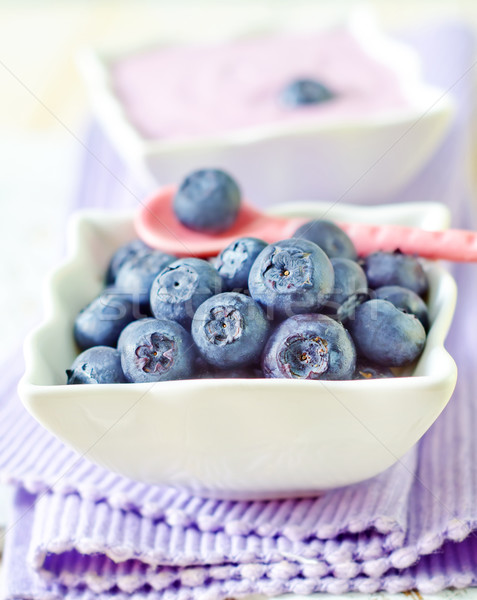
column 352, row 158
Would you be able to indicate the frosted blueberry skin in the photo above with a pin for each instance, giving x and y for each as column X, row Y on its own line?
column 156, row 350
column 303, row 92
column 132, row 331
column 394, row 268
column 180, row 288
column 122, row 255
column 406, row 300
column 334, row 242
column 135, row 277
column 100, row 364
column 350, row 287
column 230, row 330
column 309, row 346
column 234, row 262
column 207, row 200
column 366, row 369
column 291, row 277
column 386, row 335
column 101, row 321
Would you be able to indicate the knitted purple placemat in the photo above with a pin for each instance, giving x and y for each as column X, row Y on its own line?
column 98, row 534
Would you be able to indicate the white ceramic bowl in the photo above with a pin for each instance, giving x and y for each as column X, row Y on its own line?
column 354, row 159
column 234, row 438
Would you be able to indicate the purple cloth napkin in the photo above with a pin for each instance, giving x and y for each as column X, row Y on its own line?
column 79, row 531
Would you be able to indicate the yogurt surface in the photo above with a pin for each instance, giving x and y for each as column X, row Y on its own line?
column 188, row 92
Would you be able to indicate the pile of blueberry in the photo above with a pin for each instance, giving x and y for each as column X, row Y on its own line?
column 301, row 308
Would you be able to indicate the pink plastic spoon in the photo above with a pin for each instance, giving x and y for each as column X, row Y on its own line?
column 157, row 225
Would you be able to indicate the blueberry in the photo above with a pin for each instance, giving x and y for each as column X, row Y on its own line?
column 395, row 268
column 135, row 277
column 366, row 369
column 100, row 364
column 235, row 261
column 334, row 242
column 101, row 322
column 347, row 310
column 156, row 350
column 292, row 276
column 406, row 300
column 180, row 288
column 350, row 288
column 207, row 200
column 309, row 347
column 304, row 92
column 130, row 333
column 230, row 330
column 122, row 255
column 386, row 335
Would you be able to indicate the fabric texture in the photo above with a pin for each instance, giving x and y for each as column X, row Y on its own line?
column 81, row 532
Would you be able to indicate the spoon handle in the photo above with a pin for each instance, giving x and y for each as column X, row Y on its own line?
column 452, row 244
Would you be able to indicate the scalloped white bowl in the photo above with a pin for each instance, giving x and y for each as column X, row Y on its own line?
column 364, row 158
column 234, row 438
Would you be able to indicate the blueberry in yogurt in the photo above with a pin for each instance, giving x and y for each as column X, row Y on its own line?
column 395, row 268
column 207, row 200
column 236, row 260
column 156, row 350
column 290, row 277
column 182, row 287
column 309, row 346
column 304, row 92
column 334, row 242
column 100, row 364
column 101, row 322
column 230, row 330
column 386, row 335
column 136, row 276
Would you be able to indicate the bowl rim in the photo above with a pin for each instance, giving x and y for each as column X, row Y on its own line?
column 32, row 345
column 425, row 100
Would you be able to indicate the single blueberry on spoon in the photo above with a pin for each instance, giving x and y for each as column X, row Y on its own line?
column 207, row 200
